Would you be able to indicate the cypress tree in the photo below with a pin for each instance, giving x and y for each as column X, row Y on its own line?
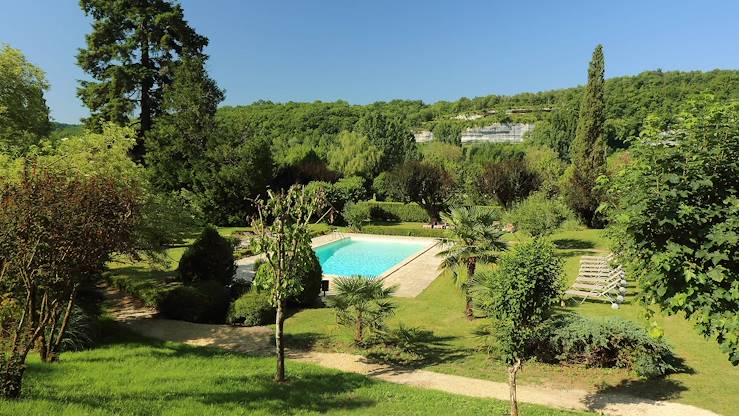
column 589, row 148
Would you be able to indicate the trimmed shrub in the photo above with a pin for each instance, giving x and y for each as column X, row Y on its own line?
column 209, row 258
column 538, row 215
column 203, row 302
column 252, row 309
column 356, row 215
column 607, row 342
column 396, row 211
column 410, row 231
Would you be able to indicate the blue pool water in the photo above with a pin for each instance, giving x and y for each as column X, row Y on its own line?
column 349, row 257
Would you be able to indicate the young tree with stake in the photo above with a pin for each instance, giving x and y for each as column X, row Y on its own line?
column 518, row 296
column 281, row 228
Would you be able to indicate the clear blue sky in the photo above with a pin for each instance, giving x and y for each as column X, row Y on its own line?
column 383, row 49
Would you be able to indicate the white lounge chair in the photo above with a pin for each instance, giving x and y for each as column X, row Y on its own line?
column 598, row 280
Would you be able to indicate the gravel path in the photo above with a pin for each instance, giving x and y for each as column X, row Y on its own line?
column 258, row 340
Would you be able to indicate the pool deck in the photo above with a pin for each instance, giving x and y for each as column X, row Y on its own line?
column 411, row 276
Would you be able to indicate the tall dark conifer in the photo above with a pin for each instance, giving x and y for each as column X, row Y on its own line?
column 589, row 147
column 131, row 53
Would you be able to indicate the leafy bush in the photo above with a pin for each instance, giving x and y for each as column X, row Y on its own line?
column 607, row 342
column 507, row 181
column 203, row 302
column 539, row 215
column 209, row 258
column 349, row 189
column 310, row 280
column 252, row 309
column 356, row 215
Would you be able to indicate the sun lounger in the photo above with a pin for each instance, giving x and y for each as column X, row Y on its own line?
column 598, row 280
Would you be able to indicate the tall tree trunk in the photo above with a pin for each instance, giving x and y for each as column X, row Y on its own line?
column 279, row 345
column 512, row 371
column 11, row 377
column 471, row 265
column 138, row 151
column 56, row 347
column 359, row 329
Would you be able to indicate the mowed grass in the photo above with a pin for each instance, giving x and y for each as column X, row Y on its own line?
column 136, row 376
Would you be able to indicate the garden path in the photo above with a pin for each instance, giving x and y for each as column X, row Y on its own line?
column 258, row 340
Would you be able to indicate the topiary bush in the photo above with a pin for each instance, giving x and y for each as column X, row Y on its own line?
column 606, row 343
column 209, row 258
column 251, row 309
column 203, row 302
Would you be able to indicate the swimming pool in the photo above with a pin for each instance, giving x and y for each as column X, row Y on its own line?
column 364, row 257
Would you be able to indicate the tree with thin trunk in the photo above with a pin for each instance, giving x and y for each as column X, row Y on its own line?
column 56, row 234
column 131, row 54
column 282, row 234
column 589, row 147
column 362, row 303
column 519, row 296
column 476, row 238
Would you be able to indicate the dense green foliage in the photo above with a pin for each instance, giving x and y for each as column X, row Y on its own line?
column 251, row 309
column 203, row 302
column 427, row 185
column 507, row 181
column 131, row 53
column 605, row 342
column 209, row 258
column 177, row 146
column 589, row 147
column 519, row 294
column 24, row 116
column 539, row 215
column 675, row 218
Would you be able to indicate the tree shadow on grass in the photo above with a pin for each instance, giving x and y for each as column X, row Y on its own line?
column 572, row 243
column 634, row 391
column 425, row 350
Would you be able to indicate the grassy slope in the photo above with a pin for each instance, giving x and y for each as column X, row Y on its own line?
column 134, row 376
column 713, row 383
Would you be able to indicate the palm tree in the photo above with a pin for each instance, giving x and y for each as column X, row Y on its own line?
column 475, row 238
column 363, row 303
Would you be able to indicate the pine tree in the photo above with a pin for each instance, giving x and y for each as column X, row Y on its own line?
column 131, row 53
column 589, row 147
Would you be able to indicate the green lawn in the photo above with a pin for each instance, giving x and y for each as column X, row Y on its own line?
column 136, row 376
column 711, row 384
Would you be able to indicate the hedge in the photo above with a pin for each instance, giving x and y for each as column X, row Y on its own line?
column 396, row 211
column 401, row 212
column 410, row 231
